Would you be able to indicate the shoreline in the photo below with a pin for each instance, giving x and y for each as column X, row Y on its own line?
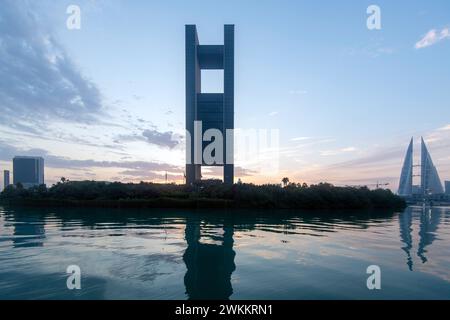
column 172, row 203
column 210, row 195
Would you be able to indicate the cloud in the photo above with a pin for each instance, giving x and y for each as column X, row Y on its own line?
column 300, row 138
column 373, row 160
column 374, row 49
column 142, row 169
column 142, row 174
column 273, row 114
column 217, row 172
column 385, row 50
column 298, row 92
column 38, row 80
column 338, row 151
column 432, row 37
column 162, row 139
column 242, row 172
column 130, row 170
column 384, row 163
column 445, row 128
column 152, row 136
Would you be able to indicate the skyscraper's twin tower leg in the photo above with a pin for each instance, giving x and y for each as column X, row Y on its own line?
column 214, row 110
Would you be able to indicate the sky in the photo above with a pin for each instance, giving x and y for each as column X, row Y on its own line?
column 107, row 101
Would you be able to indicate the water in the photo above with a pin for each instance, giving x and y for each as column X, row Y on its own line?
column 180, row 254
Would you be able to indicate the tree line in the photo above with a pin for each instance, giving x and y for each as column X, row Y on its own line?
column 243, row 195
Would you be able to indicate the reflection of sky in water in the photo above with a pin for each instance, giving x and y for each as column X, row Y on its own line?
column 181, row 254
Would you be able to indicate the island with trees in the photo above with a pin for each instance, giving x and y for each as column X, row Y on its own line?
column 205, row 194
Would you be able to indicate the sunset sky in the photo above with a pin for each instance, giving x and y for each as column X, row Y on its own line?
column 107, row 102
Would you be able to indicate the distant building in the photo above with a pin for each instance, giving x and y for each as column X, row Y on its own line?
column 6, row 178
column 430, row 183
column 447, row 187
column 29, row 171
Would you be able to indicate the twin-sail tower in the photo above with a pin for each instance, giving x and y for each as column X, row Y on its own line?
column 430, row 183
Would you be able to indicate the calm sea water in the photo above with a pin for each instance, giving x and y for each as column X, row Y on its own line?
column 180, row 254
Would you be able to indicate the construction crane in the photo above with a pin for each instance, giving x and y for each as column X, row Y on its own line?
column 381, row 184
column 378, row 185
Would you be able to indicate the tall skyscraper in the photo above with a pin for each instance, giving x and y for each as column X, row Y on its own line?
column 212, row 110
column 429, row 177
column 447, row 187
column 29, row 171
column 430, row 182
column 406, row 178
column 6, row 181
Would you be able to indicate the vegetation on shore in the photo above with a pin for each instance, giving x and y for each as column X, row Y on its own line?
column 205, row 194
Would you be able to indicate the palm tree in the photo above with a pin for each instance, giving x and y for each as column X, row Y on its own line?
column 285, row 181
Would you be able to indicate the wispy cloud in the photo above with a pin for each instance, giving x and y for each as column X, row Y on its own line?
column 152, row 136
column 45, row 96
column 217, row 172
column 7, row 152
column 374, row 49
column 273, row 113
column 163, row 139
column 298, row 92
column 445, row 128
column 432, row 37
column 125, row 171
column 300, row 138
column 337, row 151
column 145, row 170
column 38, row 80
column 384, row 163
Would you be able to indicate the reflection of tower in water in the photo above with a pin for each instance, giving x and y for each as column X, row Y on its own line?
column 405, row 220
column 29, row 231
column 429, row 224
column 209, row 266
